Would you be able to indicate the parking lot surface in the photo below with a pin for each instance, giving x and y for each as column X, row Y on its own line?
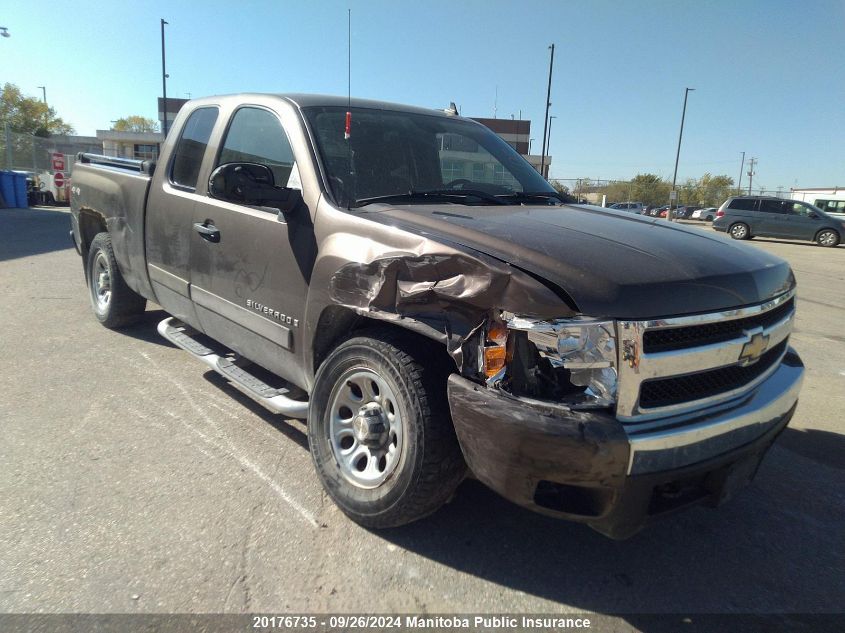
column 132, row 480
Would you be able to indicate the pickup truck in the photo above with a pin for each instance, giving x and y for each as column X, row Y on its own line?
column 407, row 283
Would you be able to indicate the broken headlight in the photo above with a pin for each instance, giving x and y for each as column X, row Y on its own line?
column 585, row 347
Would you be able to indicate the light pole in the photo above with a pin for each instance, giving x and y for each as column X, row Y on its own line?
column 739, row 182
column 47, row 112
column 163, row 81
column 549, row 141
column 546, row 116
column 4, row 32
column 678, row 154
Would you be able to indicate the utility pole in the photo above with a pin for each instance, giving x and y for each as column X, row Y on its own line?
column 163, row 81
column 739, row 182
column 751, row 162
column 546, row 116
column 678, row 154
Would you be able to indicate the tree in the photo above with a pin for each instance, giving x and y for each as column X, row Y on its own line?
column 713, row 190
column 135, row 123
column 28, row 115
column 650, row 189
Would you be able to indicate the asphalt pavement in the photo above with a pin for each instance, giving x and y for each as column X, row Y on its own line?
column 133, row 480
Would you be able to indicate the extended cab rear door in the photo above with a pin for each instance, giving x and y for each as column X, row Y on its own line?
column 249, row 281
column 175, row 189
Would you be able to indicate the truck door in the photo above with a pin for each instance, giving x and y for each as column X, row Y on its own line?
column 250, row 265
column 170, row 204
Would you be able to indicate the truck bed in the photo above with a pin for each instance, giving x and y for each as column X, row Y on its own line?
column 114, row 191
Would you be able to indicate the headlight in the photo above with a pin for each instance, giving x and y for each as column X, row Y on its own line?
column 586, row 347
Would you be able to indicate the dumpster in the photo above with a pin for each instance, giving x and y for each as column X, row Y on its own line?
column 20, row 191
column 7, row 188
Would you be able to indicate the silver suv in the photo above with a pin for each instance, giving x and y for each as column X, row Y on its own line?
column 630, row 207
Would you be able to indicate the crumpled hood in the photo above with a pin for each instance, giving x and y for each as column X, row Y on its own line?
column 611, row 263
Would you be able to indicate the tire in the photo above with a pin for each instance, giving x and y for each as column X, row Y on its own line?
column 827, row 238
column 115, row 304
column 412, row 462
column 739, row 231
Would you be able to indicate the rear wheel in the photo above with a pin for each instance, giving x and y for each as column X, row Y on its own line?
column 739, row 231
column 827, row 237
column 380, row 433
column 114, row 303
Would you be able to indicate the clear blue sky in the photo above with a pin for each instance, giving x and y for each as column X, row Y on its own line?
column 769, row 74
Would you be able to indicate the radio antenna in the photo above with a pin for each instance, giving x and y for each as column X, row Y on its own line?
column 348, row 129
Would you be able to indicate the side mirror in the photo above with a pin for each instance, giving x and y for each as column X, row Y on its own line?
column 814, row 215
column 251, row 183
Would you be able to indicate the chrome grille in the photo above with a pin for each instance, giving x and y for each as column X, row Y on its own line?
column 670, row 366
column 664, row 392
column 668, row 339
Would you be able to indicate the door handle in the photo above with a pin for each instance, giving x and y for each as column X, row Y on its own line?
column 207, row 231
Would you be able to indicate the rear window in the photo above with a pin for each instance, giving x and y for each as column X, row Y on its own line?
column 742, row 204
column 190, row 149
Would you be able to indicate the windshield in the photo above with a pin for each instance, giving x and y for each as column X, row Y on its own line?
column 416, row 157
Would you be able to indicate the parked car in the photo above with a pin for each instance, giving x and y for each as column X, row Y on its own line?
column 707, row 214
column 426, row 324
column 631, row 207
column 745, row 217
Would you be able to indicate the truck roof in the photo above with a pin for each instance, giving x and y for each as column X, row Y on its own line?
column 312, row 100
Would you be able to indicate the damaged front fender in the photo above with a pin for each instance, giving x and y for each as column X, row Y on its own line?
column 442, row 291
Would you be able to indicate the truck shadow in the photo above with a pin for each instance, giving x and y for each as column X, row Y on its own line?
column 292, row 429
column 26, row 232
column 766, row 551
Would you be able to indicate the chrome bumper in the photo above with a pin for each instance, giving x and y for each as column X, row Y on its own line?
column 692, row 438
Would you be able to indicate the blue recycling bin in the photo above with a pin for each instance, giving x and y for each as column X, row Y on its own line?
column 7, row 187
column 20, row 191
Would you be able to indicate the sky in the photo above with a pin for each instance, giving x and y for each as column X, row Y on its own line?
column 769, row 75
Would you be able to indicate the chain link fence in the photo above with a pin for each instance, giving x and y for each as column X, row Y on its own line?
column 34, row 154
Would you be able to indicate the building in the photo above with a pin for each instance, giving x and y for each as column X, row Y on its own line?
column 140, row 145
column 517, row 133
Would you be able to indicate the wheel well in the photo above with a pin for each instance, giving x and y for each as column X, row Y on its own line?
column 337, row 323
column 90, row 223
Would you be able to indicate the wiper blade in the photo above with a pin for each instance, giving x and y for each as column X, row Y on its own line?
column 459, row 194
column 522, row 196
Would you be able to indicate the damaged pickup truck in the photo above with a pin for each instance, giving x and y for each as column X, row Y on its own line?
column 410, row 285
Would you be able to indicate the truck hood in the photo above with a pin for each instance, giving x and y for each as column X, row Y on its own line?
column 610, row 263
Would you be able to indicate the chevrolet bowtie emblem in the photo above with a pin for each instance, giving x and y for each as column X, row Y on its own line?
column 754, row 348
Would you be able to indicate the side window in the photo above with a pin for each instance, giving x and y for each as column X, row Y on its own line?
column 742, row 204
column 772, row 206
column 187, row 158
column 256, row 136
column 798, row 208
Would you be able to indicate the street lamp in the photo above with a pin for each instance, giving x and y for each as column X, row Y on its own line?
column 5, row 32
column 678, row 154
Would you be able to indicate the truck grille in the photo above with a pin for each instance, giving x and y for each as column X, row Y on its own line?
column 668, row 391
column 708, row 333
column 678, row 365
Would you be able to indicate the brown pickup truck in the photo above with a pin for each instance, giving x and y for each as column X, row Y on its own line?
column 410, row 285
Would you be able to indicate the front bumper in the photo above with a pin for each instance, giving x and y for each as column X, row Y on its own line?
column 585, row 466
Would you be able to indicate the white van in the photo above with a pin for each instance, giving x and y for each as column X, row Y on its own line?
column 830, row 200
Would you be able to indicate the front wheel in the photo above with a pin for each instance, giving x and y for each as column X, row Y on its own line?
column 739, row 231
column 114, row 303
column 380, row 433
column 827, row 237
